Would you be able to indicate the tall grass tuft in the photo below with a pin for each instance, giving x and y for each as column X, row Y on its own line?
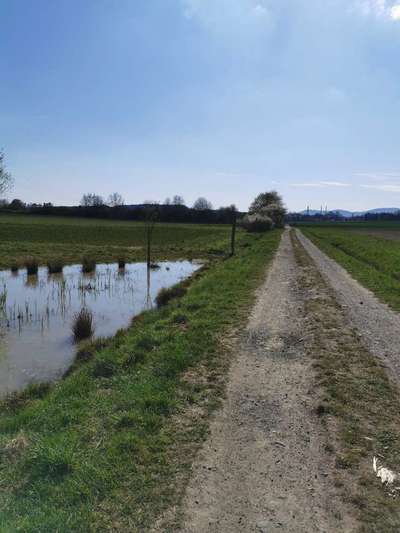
column 55, row 266
column 82, row 326
column 32, row 266
column 88, row 264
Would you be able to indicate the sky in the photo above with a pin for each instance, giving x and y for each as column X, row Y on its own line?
column 215, row 98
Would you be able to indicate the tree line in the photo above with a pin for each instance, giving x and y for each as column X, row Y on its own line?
column 116, row 200
column 266, row 212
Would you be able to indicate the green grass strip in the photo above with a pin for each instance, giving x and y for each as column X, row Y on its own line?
column 374, row 262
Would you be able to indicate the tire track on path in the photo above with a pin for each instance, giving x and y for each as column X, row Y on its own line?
column 265, row 467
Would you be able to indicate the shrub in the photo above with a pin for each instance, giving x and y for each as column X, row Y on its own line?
column 257, row 222
column 32, row 266
column 165, row 295
column 276, row 213
column 88, row 264
column 82, row 327
column 270, row 204
column 55, row 266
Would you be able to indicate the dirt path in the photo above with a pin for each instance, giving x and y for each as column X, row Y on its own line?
column 264, row 467
column 377, row 324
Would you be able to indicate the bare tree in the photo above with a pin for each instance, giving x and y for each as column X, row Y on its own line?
column 6, row 179
column 115, row 200
column 202, row 204
column 178, row 200
column 92, row 200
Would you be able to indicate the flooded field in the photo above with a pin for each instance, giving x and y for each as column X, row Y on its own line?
column 36, row 313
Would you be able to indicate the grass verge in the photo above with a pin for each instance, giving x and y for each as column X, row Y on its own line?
column 358, row 403
column 109, row 447
column 374, row 262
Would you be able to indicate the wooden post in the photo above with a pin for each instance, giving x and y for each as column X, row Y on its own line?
column 150, row 221
column 233, row 234
column 149, row 232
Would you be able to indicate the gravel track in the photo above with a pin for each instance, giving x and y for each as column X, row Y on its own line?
column 264, row 467
column 378, row 326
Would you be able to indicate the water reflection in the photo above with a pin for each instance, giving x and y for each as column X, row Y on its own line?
column 36, row 313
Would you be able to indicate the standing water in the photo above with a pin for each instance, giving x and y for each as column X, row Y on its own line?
column 36, row 313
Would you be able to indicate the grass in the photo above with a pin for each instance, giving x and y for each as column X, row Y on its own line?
column 82, row 327
column 373, row 261
column 358, row 403
column 48, row 238
column 109, row 448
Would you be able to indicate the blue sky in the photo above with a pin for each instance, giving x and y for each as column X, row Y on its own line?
column 215, row 98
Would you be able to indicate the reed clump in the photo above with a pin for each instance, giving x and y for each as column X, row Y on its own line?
column 32, row 266
column 88, row 264
column 55, row 266
column 82, row 326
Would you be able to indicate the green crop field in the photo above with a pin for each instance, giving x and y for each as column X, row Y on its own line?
column 369, row 251
column 70, row 238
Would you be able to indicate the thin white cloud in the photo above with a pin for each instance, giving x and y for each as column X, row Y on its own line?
column 378, row 176
column 384, row 187
column 321, row 184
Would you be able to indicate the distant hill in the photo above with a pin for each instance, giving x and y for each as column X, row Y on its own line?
column 348, row 214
